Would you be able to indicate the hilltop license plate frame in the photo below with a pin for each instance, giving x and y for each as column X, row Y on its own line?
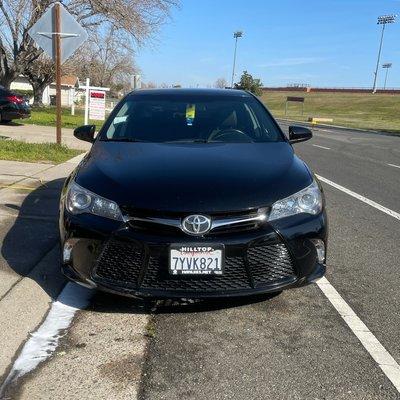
column 196, row 259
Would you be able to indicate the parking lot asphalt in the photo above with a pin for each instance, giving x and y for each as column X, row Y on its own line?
column 296, row 345
column 291, row 346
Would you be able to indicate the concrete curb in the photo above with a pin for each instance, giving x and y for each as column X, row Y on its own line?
column 75, row 160
column 25, row 303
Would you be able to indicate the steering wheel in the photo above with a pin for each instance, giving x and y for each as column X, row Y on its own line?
column 230, row 134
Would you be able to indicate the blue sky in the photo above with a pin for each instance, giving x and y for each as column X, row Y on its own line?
column 322, row 43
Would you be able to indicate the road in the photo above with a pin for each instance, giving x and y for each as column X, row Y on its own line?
column 292, row 346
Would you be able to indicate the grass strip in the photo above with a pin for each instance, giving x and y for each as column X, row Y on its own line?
column 51, row 153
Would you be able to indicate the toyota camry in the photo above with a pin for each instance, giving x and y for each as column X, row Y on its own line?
column 192, row 193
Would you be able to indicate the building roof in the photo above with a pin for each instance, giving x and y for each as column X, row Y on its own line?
column 69, row 80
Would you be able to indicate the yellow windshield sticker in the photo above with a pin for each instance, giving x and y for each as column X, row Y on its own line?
column 190, row 113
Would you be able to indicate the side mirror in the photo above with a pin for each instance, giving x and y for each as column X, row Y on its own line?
column 85, row 133
column 299, row 134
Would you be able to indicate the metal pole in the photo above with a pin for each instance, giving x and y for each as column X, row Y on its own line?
column 73, row 102
column 379, row 59
column 87, row 101
column 234, row 61
column 387, row 70
column 57, row 44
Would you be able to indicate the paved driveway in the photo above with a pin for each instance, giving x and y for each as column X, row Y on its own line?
column 41, row 134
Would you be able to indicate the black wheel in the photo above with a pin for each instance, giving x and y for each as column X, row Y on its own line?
column 4, row 121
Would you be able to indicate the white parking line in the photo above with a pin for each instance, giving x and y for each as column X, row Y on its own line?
column 372, row 203
column 376, row 350
column 381, row 356
column 394, row 165
column 321, row 147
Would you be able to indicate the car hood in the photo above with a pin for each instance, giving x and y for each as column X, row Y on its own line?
column 211, row 177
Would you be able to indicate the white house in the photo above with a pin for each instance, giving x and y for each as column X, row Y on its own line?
column 70, row 91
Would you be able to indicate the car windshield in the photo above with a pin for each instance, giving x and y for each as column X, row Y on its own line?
column 199, row 119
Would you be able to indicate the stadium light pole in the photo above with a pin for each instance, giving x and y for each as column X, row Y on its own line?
column 382, row 20
column 236, row 36
column 386, row 66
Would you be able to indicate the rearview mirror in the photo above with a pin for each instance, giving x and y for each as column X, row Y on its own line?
column 85, row 133
column 299, row 134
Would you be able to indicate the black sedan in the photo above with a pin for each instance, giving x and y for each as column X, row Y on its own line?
column 12, row 106
column 192, row 193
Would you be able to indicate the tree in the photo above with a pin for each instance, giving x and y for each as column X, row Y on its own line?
column 247, row 82
column 135, row 20
column 40, row 74
column 16, row 47
column 107, row 60
column 221, row 83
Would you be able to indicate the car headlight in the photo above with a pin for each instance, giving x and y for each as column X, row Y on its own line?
column 308, row 200
column 81, row 200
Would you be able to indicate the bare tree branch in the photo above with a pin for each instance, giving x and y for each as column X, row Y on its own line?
column 131, row 20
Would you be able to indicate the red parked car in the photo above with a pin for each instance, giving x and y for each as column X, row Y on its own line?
column 12, row 106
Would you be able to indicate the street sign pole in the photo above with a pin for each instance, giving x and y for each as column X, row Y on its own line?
column 87, row 91
column 59, row 34
column 57, row 45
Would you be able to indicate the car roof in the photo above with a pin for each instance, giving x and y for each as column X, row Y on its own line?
column 190, row 92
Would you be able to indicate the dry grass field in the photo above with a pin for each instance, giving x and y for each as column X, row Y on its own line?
column 365, row 111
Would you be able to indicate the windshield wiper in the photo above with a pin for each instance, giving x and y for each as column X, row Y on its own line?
column 187, row 141
column 123, row 139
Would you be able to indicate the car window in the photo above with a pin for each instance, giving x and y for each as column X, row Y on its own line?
column 219, row 119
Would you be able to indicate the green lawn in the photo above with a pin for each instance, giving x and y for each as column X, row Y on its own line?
column 35, row 152
column 47, row 116
column 365, row 111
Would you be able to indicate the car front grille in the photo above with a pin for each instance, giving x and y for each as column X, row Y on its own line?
column 170, row 222
column 125, row 264
column 234, row 278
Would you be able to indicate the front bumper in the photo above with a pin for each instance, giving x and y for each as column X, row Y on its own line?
column 114, row 257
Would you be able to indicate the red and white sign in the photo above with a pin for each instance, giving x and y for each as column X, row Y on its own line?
column 97, row 105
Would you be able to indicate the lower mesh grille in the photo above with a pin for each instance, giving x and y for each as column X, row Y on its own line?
column 123, row 263
column 234, row 278
column 120, row 262
column 269, row 263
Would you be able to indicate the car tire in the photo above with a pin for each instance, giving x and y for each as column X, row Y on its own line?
column 4, row 121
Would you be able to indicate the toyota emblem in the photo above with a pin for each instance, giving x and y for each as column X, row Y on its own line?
column 197, row 225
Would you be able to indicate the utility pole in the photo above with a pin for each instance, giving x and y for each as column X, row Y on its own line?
column 59, row 34
column 382, row 20
column 57, row 45
column 236, row 36
column 386, row 66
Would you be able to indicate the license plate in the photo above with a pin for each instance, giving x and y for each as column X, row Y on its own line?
column 196, row 259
